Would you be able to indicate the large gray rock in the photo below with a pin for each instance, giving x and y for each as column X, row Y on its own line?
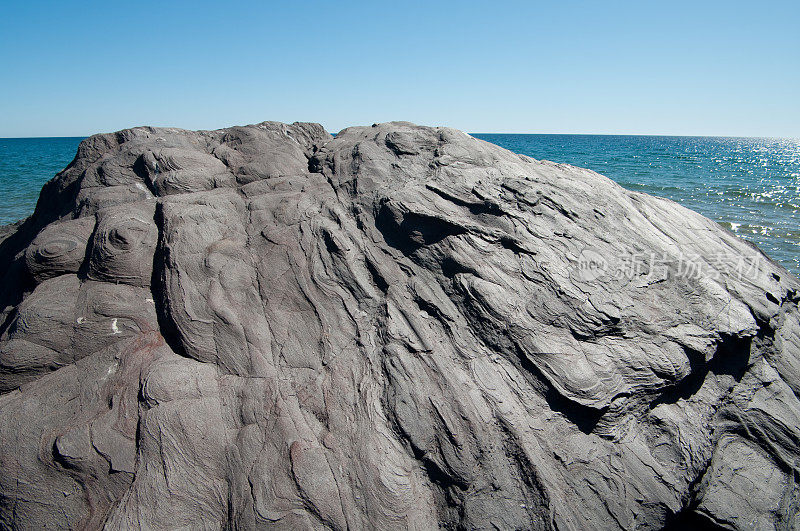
column 401, row 327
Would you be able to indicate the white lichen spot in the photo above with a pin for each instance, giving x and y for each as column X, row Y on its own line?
column 114, row 328
column 150, row 300
column 112, row 369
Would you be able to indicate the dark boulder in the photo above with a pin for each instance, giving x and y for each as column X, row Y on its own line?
column 401, row 327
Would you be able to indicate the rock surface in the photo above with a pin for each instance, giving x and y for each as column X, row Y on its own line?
column 402, row 327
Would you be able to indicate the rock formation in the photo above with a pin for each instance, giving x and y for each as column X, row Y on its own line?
column 399, row 327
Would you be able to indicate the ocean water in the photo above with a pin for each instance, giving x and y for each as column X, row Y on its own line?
column 25, row 165
column 749, row 185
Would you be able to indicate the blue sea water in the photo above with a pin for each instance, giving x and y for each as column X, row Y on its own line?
column 25, row 165
column 749, row 185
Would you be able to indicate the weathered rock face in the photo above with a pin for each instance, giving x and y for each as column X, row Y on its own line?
column 399, row 327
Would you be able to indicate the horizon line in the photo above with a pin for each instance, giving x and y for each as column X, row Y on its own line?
column 463, row 130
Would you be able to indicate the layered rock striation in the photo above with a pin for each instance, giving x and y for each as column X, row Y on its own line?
column 400, row 327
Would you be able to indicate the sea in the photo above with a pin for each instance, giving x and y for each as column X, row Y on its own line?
column 748, row 185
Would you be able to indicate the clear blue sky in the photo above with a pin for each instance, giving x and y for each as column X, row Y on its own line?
column 644, row 67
